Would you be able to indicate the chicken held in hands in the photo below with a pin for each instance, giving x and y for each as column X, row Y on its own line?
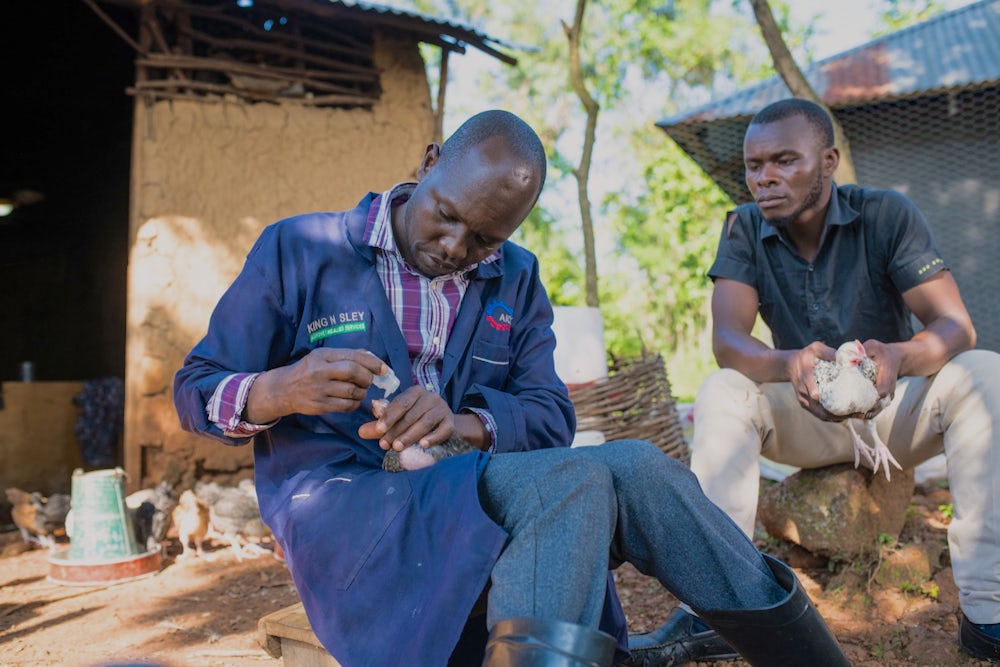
column 847, row 387
column 415, row 457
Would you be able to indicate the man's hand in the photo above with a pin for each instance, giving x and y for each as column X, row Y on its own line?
column 416, row 416
column 888, row 358
column 325, row 380
column 802, row 374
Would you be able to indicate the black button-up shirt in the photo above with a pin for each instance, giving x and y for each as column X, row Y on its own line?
column 876, row 245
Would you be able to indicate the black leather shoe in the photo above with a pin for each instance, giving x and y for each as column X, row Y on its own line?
column 675, row 643
column 976, row 642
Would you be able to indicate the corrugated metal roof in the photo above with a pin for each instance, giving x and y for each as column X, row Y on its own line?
column 418, row 16
column 954, row 49
column 461, row 33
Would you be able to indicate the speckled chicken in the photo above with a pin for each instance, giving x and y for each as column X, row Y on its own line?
column 415, row 457
column 847, row 387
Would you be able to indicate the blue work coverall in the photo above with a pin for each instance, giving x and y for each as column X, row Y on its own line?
column 388, row 565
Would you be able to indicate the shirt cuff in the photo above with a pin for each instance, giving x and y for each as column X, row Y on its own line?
column 226, row 406
column 488, row 422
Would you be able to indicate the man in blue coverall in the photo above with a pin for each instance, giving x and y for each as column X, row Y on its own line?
column 422, row 279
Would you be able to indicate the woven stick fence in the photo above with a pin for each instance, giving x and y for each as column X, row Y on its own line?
column 633, row 402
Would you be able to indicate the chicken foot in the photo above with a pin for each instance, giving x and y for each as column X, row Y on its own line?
column 877, row 455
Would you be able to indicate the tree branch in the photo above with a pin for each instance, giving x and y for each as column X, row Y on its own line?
column 799, row 86
column 582, row 171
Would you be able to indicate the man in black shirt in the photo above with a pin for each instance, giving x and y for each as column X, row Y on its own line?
column 824, row 264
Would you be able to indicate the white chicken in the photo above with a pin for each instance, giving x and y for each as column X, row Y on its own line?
column 846, row 387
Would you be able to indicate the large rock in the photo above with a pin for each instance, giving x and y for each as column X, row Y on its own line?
column 837, row 511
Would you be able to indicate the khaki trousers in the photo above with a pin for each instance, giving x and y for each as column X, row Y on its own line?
column 954, row 411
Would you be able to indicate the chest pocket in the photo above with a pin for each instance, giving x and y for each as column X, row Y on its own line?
column 490, row 363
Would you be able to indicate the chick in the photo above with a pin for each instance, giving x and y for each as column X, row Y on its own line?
column 415, row 457
column 23, row 513
column 151, row 511
column 50, row 516
column 39, row 519
column 235, row 514
column 191, row 516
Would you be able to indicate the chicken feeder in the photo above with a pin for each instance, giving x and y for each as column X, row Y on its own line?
column 103, row 548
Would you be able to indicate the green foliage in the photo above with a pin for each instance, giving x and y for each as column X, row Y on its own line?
column 771, row 544
column 657, row 215
column 670, row 229
column 947, row 510
column 797, row 38
column 885, row 540
column 927, row 589
column 562, row 272
column 898, row 14
column 837, row 562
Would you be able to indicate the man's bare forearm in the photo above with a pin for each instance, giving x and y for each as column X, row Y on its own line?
column 751, row 357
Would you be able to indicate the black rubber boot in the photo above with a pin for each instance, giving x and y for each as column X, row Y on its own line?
column 789, row 634
column 539, row 642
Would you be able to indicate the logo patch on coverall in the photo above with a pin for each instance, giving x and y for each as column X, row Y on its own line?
column 499, row 315
column 351, row 321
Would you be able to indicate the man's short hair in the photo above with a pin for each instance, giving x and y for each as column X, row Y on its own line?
column 522, row 140
column 794, row 106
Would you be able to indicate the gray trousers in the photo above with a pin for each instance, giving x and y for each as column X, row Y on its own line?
column 571, row 514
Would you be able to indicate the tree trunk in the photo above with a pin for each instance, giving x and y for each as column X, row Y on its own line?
column 439, row 108
column 789, row 71
column 582, row 171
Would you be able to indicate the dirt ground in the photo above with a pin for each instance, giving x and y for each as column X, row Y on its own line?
column 204, row 612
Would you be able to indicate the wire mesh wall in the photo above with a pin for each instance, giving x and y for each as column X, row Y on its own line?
column 941, row 151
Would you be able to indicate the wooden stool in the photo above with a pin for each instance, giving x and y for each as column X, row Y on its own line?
column 286, row 634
